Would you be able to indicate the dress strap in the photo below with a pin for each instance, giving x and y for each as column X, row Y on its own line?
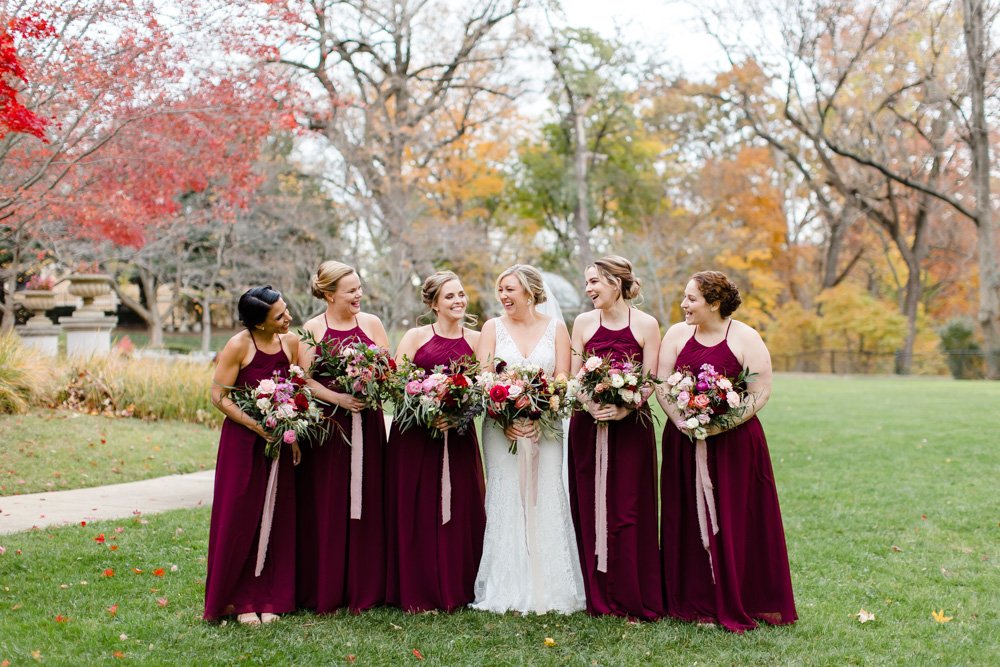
column 326, row 321
column 432, row 329
column 600, row 318
column 727, row 329
column 630, row 316
column 356, row 323
column 253, row 340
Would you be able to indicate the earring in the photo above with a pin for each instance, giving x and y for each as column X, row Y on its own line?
column 531, row 301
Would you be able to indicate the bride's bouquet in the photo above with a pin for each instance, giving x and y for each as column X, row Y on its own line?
column 354, row 367
column 707, row 398
column 611, row 382
column 423, row 398
column 522, row 392
column 285, row 407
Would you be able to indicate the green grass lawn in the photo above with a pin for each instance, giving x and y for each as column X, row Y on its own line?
column 888, row 491
column 48, row 450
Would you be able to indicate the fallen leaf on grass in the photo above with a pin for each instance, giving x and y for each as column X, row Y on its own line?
column 896, row 549
column 83, row 523
column 99, row 539
column 5, row 663
column 940, row 617
column 108, row 572
column 351, row 658
column 137, row 570
column 161, row 601
column 37, row 655
column 123, row 637
column 118, row 654
column 3, row 550
column 550, row 642
column 113, row 609
column 113, row 547
column 61, row 619
column 864, row 616
column 158, row 572
column 395, row 627
column 417, row 654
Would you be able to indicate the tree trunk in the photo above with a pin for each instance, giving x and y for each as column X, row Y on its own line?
column 206, row 323
column 581, row 215
column 150, row 315
column 989, row 278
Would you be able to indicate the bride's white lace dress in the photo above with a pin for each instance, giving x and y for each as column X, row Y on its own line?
column 510, row 578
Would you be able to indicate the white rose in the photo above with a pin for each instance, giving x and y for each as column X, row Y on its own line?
column 733, row 399
column 263, row 404
column 266, row 387
column 724, row 384
column 703, row 418
column 674, row 379
column 692, row 423
column 686, row 382
column 284, row 411
column 572, row 389
column 631, row 379
column 296, row 371
column 617, row 381
column 700, row 433
column 514, row 391
column 593, row 363
column 682, row 405
column 629, row 396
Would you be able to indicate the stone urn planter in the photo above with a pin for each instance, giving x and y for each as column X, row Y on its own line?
column 89, row 286
column 38, row 301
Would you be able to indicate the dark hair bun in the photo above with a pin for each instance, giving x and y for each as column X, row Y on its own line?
column 255, row 304
column 717, row 288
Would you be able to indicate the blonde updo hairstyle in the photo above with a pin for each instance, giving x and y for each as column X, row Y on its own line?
column 618, row 271
column 430, row 291
column 530, row 279
column 327, row 276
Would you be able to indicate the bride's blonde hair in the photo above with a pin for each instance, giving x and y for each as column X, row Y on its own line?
column 530, row 279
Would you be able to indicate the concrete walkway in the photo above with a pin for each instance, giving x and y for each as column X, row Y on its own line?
column 105, row 502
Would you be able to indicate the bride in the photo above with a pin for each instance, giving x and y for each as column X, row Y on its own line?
column 530, row 561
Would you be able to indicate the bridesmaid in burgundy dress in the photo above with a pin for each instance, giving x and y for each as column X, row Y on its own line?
column 241, row 475
column 742, row 576
column 341, row 561
column 434, row 557
column 629, row 583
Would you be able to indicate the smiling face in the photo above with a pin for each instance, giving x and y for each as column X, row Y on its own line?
column 696, row 309
column 512, row 294
column 452, row 301
column 601, row 292
column 346, row 298
column 278, row 319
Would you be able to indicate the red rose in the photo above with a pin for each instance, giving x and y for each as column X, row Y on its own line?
column 459, row 380
column 392, row 364
column 298, row 381
column 498, row 393
column 301, row 402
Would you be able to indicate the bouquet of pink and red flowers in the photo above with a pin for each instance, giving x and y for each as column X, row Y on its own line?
column 513, row 392
column 707, row 398
column 355, row 367
column 284, row 406
column 611, row 382
column 422, row 398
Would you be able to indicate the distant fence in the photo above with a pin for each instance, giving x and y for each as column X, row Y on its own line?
column 964, row 364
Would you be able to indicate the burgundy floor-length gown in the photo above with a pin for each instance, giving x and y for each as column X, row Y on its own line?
column 241, row 474
column 341, row 561
column 433, row 565
column 632, row 584
column 748, row 555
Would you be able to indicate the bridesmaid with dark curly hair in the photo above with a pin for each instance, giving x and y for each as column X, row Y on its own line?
column 724, row 555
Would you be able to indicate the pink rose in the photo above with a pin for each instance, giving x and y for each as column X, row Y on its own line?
column 271, row 421
column 289, row 437
column 701, row 401
column 413, row 387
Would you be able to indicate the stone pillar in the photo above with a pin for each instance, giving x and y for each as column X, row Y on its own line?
column 88, row 329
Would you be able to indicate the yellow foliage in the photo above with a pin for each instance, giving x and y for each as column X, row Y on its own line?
column 854, row 320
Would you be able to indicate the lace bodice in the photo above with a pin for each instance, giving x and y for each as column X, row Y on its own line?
column 543, row 354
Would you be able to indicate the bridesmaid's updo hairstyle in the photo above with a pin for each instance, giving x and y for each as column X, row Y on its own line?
column 618, row 271
column 255, row 304
column 327, row 276
column 717, row 288
column 530, row 279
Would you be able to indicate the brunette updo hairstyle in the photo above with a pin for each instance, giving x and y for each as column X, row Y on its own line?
column 255, row 304
column 430, row 291
column 717, row 288
column 530, row 279
column 618, row 271
column 327, row 276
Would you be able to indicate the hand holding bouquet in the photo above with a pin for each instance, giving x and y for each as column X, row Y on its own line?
column 611, row 382
column 284, row 407
column 426, row 399
column 354, row 367
column 707, row 399
column 522, row 392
